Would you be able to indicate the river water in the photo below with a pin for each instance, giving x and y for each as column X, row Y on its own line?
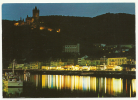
column 42, row 85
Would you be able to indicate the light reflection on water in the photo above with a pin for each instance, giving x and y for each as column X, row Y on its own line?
column 104, row 86
column 112, row 86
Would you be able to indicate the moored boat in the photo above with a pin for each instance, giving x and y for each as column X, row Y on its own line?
column 13, row 80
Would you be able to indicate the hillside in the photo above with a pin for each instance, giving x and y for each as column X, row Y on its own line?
column 23, row 43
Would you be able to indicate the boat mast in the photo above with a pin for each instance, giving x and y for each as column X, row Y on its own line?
column 13, row 66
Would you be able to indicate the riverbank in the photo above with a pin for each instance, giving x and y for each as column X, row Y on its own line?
column 129, row 74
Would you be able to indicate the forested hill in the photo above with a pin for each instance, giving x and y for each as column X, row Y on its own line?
column 108, row 28
column 20, row 42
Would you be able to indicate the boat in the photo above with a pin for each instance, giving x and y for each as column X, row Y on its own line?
column 13, row 80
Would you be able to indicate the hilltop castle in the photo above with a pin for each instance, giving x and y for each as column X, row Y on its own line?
column 34, row 22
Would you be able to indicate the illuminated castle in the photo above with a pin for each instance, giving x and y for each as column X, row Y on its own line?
column 29, row 20
column 34, row 22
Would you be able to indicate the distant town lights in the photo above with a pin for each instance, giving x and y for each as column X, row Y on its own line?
column 16, row 24
column 49, row 29
column 41, row 28
column 58, row 30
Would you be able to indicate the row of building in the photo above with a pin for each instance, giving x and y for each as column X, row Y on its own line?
column 83, row 63
column 100, row 46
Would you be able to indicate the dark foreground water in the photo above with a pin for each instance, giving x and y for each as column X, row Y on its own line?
column 38, row 85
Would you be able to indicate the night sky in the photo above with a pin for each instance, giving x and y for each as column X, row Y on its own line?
column 15, row 11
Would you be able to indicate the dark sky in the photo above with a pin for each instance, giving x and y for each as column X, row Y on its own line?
column 15, row 11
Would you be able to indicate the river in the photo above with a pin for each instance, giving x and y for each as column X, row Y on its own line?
column 43, row 85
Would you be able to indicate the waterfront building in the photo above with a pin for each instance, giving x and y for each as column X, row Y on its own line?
column 103, row 60
column 70, row 62
column 76, row 67
column 87, row 68
column 128, row 67
column 92, row 67
column 58, row 63
column 117, row 61
column 95, row 62
column 43, row 67
column 26, row 66
column 19, row 66
column 112, row 63
column 34, row 65
column 68, row 67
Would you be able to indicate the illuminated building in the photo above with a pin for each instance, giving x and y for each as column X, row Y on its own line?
column 49, row 29
column 117, row 61
column 95, row 62
column 35, row 65
column 72, row 48
column 99, row 45
column 35, row 13
column 70, row 62
column 58, row 30
column 113, row 62
column 57, row 63
column 127, row 46
column 103, row 60
column 42, row 28
column 92, row 67
column 19, row 66
column 16, row 24
column 83, row 62
column 34, row 21
column 29, row 20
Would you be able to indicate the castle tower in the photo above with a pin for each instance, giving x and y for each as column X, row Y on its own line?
column 35, row 13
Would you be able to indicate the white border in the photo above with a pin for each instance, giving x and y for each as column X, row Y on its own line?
column 62, row 1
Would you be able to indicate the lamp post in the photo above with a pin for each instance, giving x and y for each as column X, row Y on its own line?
column 104, row 63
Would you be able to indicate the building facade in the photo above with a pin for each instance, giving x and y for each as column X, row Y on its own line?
column 117, row 61
column 72, row 48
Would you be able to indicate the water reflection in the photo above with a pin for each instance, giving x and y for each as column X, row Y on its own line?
column 102, row 86
column 111, row 86
column 134, row 85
